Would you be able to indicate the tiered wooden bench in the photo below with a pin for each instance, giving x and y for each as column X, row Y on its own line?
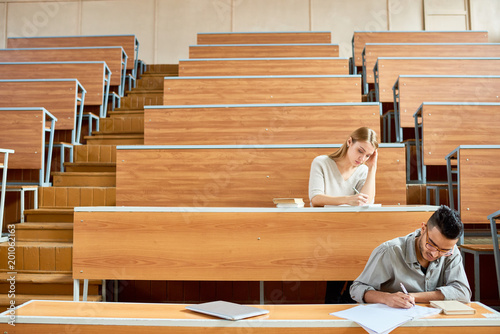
column 4, row 154
column 388, row 69
column 263, row 66
column 24, row 130
column 236, row 175
column 63, row 98
column 261, row 89
column 373, row 51
column 360, row 38
column 94, row 76
column 445, row 125
column 232, row 244
column 263, row 50
column 314, row 123
column 114, row 57
column 129, row 43
column 410, row 91
column 295, row 37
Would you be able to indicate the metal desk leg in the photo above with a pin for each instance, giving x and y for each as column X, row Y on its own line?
column 76, row 290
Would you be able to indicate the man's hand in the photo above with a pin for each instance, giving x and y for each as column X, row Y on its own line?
column 399, row 300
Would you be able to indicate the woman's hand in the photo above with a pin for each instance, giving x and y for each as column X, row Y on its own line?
column 372, row 160
column 358, row 199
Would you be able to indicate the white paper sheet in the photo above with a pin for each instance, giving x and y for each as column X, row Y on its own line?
column 381, row 319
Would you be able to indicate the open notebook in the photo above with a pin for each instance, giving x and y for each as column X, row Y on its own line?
column 227, row 310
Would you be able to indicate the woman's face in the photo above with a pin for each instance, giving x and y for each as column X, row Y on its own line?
column 359, row 152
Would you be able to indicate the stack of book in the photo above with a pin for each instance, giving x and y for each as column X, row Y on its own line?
column 289, row 202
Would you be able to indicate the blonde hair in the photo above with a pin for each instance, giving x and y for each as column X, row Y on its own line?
column 361, row 134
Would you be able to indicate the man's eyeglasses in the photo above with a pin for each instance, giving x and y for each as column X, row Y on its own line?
column 434, row 248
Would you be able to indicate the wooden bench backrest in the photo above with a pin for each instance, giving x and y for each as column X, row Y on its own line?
column 360, row 38
column 22, row 129
column 129, row 43
column 297, row 37
column 59, row 97
column 479, row 183
column 262, row 124
column 111, row 55
column 226, row 245
column 263, row 66
column 414, row 90
column 90, row 74
column 388, row 70
column 236, row 176
column 374, row 50
column 448, row 125
column 258, row 89
column 263, row 50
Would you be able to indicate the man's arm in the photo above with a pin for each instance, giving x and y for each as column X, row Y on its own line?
column 426, row 297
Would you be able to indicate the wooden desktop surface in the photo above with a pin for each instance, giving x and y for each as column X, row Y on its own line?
column 90, row 317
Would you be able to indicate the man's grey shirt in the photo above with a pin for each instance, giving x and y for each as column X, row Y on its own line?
column 395, row 262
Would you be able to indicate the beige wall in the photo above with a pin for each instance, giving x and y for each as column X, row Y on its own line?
column 166, row 28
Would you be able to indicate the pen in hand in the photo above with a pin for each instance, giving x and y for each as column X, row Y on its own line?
column 355, row 190
column 405, row 291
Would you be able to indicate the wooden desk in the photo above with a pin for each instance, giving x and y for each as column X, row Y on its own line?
column 269, row 124
column 478, row 179
column 360, row 38
column 263, row 50
column 44, row 317
column 295, row 37
column 494, row 235
column 263, row 66
column 262, row 89
column 433, row 119
column 373, row 51
column 236, row 175
column 233, row 244
column 410, row 91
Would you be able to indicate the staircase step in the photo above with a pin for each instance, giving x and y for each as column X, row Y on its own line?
column 95, row 153
column 126, row 112
column 80, row 167
column 75, row 179
column 119, row 125
column 37, row 256
column 69, row 197
column 57, row 215
column 42, row 231
column 116, row 139
column 44, row 284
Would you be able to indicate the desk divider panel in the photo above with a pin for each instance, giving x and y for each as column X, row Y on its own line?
column 233, row 244
column 388, row 69
column 236, row 175
column 227, row 124
column 263, row 50
column 262, row 89
column 263, row 66
column 373, row 51
column 282, row 37
column 360, row 38
column 410, row 91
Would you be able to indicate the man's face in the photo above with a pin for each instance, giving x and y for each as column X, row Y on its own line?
column 433, row 244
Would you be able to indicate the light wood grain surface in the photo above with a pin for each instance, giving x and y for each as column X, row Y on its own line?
column 58, row 97
column 268, row 66
column 273, row 124
column 479, row 180
column 112, row 57
column 254, row 90
column 127, row 42
column 360, row 38
column 265, row 37
column 235, row 177
column 90, row 75
column 416, row 90
column 375, row 50
column 390, row 68
column 448, row 126
column 263, row 51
